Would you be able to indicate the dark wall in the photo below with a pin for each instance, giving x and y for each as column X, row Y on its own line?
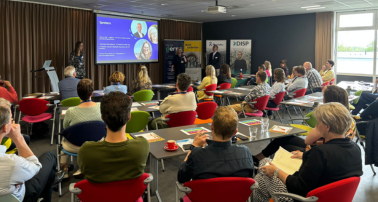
column 273, row 38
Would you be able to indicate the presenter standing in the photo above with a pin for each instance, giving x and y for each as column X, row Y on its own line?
column 214, row 59
column 240, row 64
column 77, row 60
column 179, row 61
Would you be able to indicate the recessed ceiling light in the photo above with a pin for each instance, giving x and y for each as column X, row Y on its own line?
column 233, row 15
column 163, row 4
column 315, row 8
column 310, row 6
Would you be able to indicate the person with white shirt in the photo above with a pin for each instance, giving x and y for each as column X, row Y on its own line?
column 24, row 175
column 278, row 86
column 139, row 33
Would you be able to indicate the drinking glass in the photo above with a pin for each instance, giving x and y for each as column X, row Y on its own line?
column 264, row 123
column 253, row 132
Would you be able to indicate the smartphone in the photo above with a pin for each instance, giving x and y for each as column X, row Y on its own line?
column 242, row 137
column 186, row 146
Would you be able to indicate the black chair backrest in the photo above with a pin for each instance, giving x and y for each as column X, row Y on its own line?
column 85, row 131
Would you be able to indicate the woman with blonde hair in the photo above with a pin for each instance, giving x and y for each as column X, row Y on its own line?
column 208, row 80
column 116, row 78
column 143, row 81
column 145, row 52
column 268, row 68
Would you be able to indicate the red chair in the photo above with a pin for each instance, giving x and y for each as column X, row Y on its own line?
column 259, row 103
column 125, row 190
column 235, row 189
column 300, row 93
column 34, row 112
column 210, row 87
column 190, row 89
column 342, row 190
column 324, row 84
column 205, row 112
column 223, row 86
column 277, row 101
column 332, row 81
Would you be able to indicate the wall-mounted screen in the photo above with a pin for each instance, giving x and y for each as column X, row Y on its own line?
column 122, row 39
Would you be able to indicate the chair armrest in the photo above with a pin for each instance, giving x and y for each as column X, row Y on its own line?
column 74, row 189
column 150, row 118
column 164, row 119
column 302, row 119
column 295, row 197
column 16, row 106
column 361, row 122
column 50, row 105
column 254, row 102
column 254, row 186
column 148, row 179
column 200, row 90
column 186, row 190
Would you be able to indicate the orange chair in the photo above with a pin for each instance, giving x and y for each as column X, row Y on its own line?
column 342, row 190
column 205, row 112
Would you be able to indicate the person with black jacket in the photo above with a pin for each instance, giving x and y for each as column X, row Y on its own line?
column 225, row 77
column 339, row 158
column 179, row 61
column 215, row 59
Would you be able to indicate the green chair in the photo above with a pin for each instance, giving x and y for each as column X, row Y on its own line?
column 310, row 121
column 71, row 102
column 9, row 198
column 138, row 121
column 6, row 141
column 233, row 82
column 143, row 95
column 358, row 93
column 351, row 107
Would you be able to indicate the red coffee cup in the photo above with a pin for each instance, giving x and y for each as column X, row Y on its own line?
column 170, row 144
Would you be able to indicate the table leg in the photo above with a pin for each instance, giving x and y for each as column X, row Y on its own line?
column 154, row 171
column 158, row 94
column 288, row 111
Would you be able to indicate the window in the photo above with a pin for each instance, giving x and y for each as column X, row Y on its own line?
column 356, row 41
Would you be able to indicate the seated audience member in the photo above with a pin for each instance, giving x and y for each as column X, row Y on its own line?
column 327, row 73
column 284, row 67
column 365, row 99
column 116, row 158
column 116, row 78
column 68, row 86
column 86, row 111
column 208, row 80
column 7, row 91
column 294, row 143
column 294, row 74
column 268, row 68
column 225, row 77
column 339, row 158
column 314, row 79
column 220, row 158
column 143, row 81
column 24, row 175
column 6, row 103
column 278, row 86
column 262, row 89
column 299, row 83
column 260, row 68
column 180, row 102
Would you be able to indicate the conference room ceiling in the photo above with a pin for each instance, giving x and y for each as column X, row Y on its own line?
column 195, row 10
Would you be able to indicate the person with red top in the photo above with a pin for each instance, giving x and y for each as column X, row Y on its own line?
column 7, row 92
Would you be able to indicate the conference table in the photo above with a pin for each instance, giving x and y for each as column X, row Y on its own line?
column 356, row 86
column 166, row 87
column 157, row 151
column 51, row 97
column 233, row 92
column 308, row 101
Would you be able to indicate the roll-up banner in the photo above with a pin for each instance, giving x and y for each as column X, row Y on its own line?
column 170, row 47
column 192, row 51
column 240, row 55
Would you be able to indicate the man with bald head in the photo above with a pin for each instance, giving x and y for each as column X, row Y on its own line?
column 314, row 79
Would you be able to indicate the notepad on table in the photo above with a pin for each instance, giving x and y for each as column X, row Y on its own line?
column 136, row 104
column 282, row 159
column 280, row 129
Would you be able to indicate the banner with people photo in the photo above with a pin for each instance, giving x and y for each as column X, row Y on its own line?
column 222, row 48
column 240, row 56
column 170, row 48
column 193, row 51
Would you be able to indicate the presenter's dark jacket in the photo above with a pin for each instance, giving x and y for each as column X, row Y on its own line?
column 136, row 34
column 78, row 63
column 335, row 160
column 223, row 79
column 240, row 65
column 215, row 61
column 218, row 159
column 179, row 64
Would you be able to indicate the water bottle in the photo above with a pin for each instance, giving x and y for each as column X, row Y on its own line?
column 241, row 73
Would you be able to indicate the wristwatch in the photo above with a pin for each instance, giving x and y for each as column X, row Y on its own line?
column 191, row 147
column 276, row 172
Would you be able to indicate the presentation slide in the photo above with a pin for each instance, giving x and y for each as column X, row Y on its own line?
column 125, row 40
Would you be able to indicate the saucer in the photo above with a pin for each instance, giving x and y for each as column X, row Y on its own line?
column 166, row 148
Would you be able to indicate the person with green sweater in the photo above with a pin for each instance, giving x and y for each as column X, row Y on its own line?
column 116, row 158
